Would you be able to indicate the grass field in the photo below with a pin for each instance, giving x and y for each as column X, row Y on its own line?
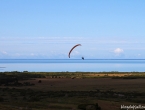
column 70, row 90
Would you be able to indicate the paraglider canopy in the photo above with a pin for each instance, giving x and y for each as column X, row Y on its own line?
column 72, row 49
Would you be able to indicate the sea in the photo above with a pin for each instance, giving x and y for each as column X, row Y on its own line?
column 72, row 65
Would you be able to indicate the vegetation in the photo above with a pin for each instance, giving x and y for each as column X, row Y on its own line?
column 70, row 90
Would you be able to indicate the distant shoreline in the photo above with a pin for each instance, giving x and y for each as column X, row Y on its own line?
column 70, row 59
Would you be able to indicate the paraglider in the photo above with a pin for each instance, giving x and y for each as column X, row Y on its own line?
column 83, row 58
column 72, row 49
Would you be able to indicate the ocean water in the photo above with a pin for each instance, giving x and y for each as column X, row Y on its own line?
column 73, row 65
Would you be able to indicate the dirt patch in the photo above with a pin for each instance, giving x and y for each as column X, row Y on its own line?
column 58, row 84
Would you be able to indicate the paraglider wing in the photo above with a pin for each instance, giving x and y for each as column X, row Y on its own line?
column 72, row 49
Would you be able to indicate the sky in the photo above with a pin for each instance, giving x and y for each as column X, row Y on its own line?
column 48, row 29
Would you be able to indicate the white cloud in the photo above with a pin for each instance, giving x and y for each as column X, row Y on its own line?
column 32, row 54
column 59, row 47
column 118, row 51
column 75, row 54
column 4, row 52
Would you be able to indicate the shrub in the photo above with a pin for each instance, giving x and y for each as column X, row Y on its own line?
column 1, row 99
column 39, row 81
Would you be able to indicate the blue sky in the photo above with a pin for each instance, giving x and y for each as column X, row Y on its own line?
column 50, row 28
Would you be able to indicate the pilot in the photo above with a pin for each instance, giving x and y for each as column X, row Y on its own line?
column 83, row 58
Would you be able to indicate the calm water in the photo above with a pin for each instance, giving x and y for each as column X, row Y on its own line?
column 72, row 65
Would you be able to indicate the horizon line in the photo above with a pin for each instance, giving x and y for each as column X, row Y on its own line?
column 74, row 59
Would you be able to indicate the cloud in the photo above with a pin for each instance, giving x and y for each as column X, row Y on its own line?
column 75, row 54
column 32, row 54
column 118, row 51
column 59, row 47
column 4, row 52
